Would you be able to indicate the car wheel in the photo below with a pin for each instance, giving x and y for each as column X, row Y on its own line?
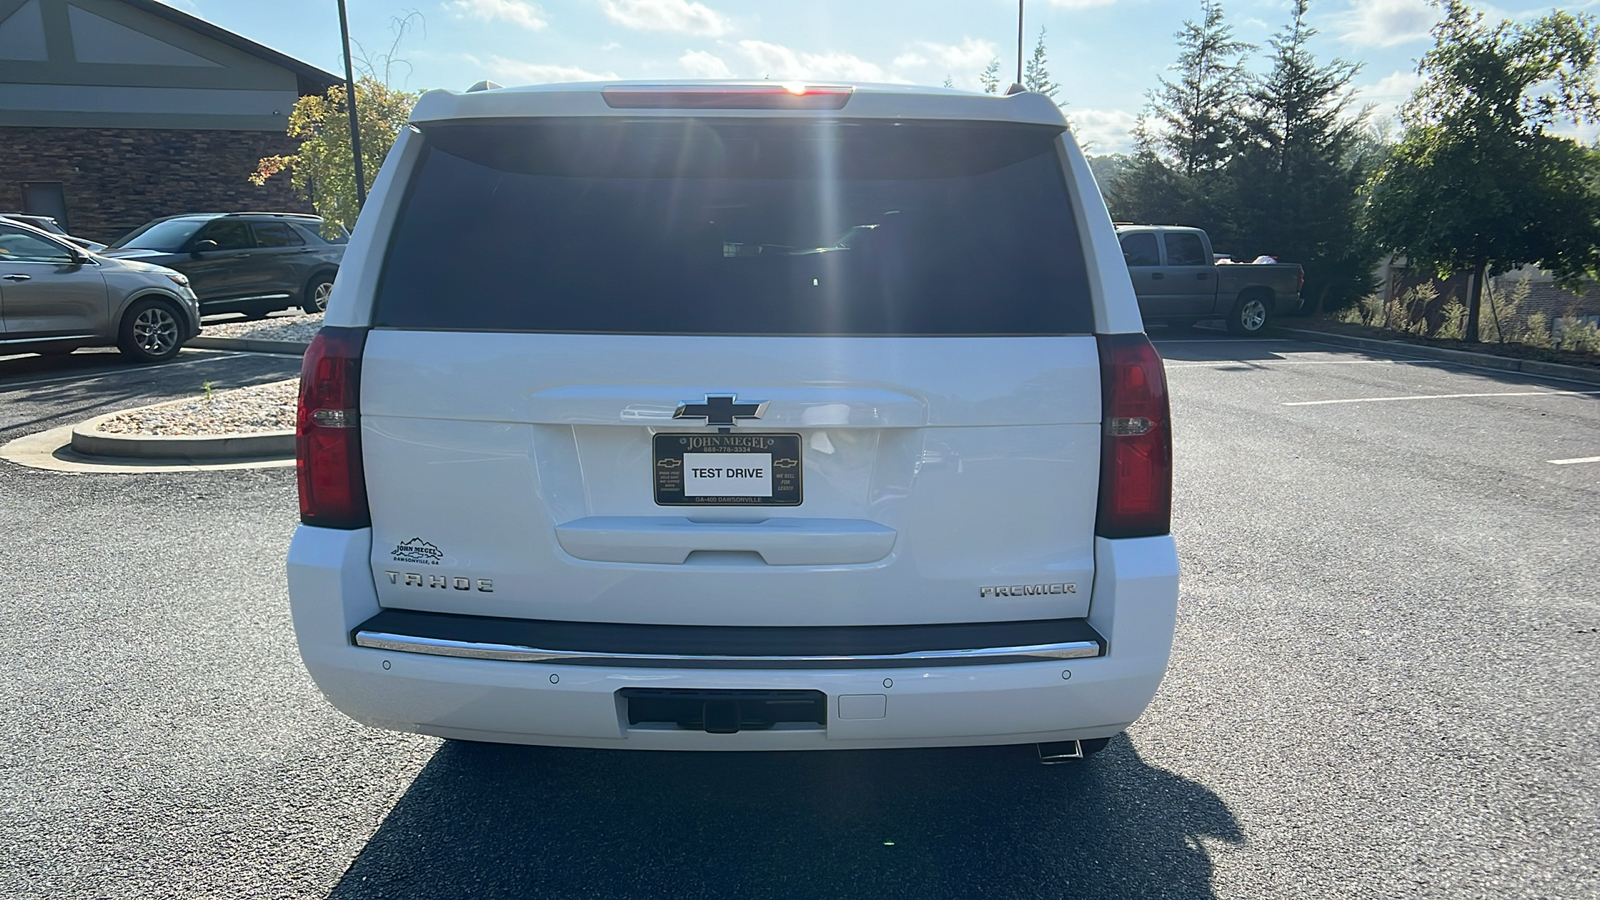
column 317, row 293
column 1250, row 315
column 150, row 332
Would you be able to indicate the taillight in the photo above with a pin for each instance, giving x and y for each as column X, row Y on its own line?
column 727, row 96
column 1136, row 442
column 333, row 489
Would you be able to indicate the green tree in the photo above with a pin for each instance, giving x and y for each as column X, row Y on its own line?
column 1036, row 73
column 1189, row 132
column 1199, row 112
column 324, row 168
column 990, row 77
column 1299, row 167
column 1477, row 183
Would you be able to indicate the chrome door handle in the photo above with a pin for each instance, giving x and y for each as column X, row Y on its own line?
column 16, row 277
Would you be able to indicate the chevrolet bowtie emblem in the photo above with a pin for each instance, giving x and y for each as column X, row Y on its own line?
column 720, row 411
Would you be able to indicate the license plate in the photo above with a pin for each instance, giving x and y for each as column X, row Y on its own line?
column 727, row 469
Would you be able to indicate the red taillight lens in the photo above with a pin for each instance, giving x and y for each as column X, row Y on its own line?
column 720, row 96
column 1136, row 446
column 333, row 489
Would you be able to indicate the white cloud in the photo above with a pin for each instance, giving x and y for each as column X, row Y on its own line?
column 1103, row 130
column 966, row 58
column 517, row 12
column 701, row 64
column 683, row 16
column 1388, row 94
column 780, row 63
column 513, row 71
column 1385, row 23
column 1081, row 4
column 928, row 62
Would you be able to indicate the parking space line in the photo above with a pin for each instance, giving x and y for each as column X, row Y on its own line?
column 1443, row 397
column 1268, row 363
column 1573, row 462
column 6, row 388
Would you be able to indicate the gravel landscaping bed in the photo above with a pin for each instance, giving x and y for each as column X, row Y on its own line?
column 265, row 407
column 288, row 327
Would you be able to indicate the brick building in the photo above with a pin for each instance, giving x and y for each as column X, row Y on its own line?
column 115, row 112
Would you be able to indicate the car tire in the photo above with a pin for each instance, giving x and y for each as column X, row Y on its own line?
column 151, row 331
column 316, row 295
column 1251, row 314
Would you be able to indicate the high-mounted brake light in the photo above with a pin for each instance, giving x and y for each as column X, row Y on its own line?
column 333, row 487
column 1136, row 444
column 722, row 96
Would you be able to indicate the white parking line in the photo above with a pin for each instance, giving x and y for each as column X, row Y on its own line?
column 1269, row 363
column 90, row 376
column 1443, row 397
column 1572, row 462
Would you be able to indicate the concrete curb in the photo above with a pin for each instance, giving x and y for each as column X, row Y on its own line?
column 51, row 451
column 88, row 440
column 1482, row 360
column 249, row 345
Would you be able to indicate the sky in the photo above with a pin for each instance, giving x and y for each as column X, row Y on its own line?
column 1106, row 54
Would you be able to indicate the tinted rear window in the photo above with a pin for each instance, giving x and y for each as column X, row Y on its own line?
column 734, row 226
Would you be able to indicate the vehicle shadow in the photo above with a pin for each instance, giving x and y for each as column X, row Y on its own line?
column 500, row 821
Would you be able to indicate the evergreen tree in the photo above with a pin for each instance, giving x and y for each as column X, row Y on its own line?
column 1146, row 189
column 1176, row 175
column 1299, row 167
column 1036, row 74
column 1201, row 109
column 990, row 77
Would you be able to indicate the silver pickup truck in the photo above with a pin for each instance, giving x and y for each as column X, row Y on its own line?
column 1180, row 282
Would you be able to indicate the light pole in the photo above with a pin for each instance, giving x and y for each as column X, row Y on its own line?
column 1019, row 38
column 350, row 104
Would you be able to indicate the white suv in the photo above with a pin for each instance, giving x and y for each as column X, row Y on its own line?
column 736, row 417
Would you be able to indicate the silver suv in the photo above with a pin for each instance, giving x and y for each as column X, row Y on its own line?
column 55, row 297
column 736, row 417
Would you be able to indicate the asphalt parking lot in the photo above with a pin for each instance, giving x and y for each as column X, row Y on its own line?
column 1384, row 685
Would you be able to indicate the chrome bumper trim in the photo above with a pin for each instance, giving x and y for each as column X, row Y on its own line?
column 402, row 643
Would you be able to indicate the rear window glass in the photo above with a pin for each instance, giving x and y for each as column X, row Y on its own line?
column 737, row 226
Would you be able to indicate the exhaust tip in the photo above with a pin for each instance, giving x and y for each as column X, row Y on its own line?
column 1058, row 752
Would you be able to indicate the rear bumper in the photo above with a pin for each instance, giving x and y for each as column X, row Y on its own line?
column 549, row 703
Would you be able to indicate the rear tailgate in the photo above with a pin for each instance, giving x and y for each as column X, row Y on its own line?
column 898, row 311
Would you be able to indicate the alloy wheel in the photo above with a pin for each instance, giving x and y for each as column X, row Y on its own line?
column 155, row 331
column 1253, row 315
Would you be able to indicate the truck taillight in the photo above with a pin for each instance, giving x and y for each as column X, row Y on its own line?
column 333, row 489
column 1136, row 441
